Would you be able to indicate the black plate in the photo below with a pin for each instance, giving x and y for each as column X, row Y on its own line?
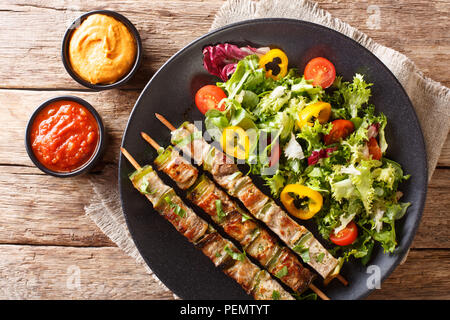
column 184, row 269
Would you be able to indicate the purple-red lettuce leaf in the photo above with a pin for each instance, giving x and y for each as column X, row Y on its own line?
column 221, row 60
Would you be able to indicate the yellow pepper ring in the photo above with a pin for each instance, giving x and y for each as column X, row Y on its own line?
column 235, row 142
column 314, row 205
column 317, row 111
column 272, row 61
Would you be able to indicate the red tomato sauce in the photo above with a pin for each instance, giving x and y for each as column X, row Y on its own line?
column 64, row 136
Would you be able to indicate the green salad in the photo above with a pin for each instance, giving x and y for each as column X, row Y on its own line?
column 326, row 145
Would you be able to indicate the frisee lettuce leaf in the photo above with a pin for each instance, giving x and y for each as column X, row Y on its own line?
column 354, row 186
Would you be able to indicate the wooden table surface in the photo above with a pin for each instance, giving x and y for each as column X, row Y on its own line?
column 49, row 249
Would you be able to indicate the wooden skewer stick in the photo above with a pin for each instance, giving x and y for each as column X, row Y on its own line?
column 165, row 122
column 130, row 158
column 152, row 142
column 319, row 292
column 156, row 146
column 342, row 280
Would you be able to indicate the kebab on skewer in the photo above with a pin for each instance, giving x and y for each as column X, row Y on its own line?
column 223, row 253
column 227, row 175
column 254, row 237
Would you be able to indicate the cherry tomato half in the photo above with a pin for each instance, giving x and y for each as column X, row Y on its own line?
column 320, row 70
column 346, row 236
column 208, row 97
column 341, row 129
column 374, row 149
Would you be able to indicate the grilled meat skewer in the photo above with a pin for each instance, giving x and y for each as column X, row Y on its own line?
column 227, row 175
column 223, row 253
column 254, row 237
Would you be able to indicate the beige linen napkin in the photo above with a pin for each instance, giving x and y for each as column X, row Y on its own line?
column 431, row 102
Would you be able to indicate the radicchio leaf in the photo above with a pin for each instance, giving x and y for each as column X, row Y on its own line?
column 316, row 155
column 221, row 60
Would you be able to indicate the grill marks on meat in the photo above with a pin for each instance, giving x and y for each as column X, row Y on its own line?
column 256, row 240
column 284, row 226
column 298, row 278
column 187, row 223
column 205, row 237
column 182, row 172
column 265, row 288
column 179, row 169
column 227, row 175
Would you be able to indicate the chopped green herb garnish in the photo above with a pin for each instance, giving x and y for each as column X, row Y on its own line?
column 301, row 249
column 320, row 256
column 303, row 252
column 145, row 189
column 176, row 208
column 305, row 296
column 218, row 255
column 283, row 272
column 276, row 295
column 235, row 255
column 305, row 255
column 245, row 217
column 220, row 213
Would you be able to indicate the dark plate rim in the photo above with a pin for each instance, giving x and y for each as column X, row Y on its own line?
column 407, row 239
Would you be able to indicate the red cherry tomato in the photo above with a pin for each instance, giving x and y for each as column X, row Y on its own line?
column 341, row 129
column 208, row 97
column 374, row 149
column 346, row 236
column 320, row 70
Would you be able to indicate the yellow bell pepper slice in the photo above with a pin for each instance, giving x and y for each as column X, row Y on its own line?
column 275, row 63
column 314, row 204
column 317, row 111
column 235, row 142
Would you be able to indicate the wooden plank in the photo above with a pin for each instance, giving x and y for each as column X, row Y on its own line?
column 434, row 227
column 40, row 272
column 405, row 26
column 37, row 272
column 114, row 106
column 30, row 54
column 37, row 224
column 424, row 276
column 444, row 159
column 32, row 33
column 40, row 209
column 32, row 211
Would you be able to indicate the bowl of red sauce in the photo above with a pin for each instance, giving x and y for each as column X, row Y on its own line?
column 65, row 136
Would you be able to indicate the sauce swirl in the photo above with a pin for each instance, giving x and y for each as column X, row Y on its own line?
column 102, row 49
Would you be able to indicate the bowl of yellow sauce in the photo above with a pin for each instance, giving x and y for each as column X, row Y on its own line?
column 101, row 50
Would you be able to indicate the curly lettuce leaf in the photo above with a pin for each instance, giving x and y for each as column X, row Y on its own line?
column 312, row 135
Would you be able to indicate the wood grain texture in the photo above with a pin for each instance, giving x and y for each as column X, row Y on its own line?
column 30, row 272
column 416, row 28
column 33, row 210
column 37, row 27
column 49, row 272
column 114, row 106
column 43, row 245
column 44, row 223
column 424, row 276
